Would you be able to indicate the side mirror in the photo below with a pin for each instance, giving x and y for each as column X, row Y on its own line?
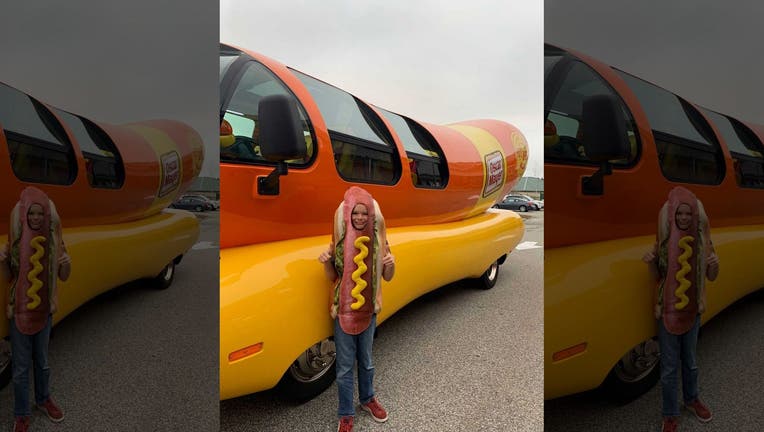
column 281, row 138
column 604, row 138
column 604, row 129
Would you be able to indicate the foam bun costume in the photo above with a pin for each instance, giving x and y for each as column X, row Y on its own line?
column 34, row 257
column 681, row 295
column 358, row 261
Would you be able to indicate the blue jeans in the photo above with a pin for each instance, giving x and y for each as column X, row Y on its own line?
column 676, row 349
column 28, row 349
column 350, row 348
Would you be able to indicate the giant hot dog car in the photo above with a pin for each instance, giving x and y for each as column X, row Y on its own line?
column 283, row 173
column 615, row 145
column 110, row 184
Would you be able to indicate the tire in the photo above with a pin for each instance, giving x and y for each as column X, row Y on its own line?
column 310, row 374
column 489, row 278
column 5, row 363
column 164, row 279
column 523, row 208
column 198, row 208
column 635, row 373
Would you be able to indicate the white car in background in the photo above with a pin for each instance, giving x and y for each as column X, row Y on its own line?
column 538, row 204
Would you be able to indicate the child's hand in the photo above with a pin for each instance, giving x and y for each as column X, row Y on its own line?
column 388, row 260
column 649, row 257
column 713, row 263
column 326, row 255
column 64, row 259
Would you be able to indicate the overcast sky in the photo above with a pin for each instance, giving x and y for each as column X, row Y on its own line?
column 435, row 61
column 118, row 62
column 707, row 51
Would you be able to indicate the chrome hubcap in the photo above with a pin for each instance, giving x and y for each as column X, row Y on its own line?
column 314, row 362
column 639, row 362
column 169, row 271
column 493, row 271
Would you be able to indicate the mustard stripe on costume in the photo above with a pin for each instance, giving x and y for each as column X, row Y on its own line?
column 684, row 284
column 36, row 269
column 360, row 284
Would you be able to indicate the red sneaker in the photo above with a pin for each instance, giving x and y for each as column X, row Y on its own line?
column 21, row 424
column 52, row 410
column 670, row 424
column 700, row 410
column 346, row 424
column 376, row 410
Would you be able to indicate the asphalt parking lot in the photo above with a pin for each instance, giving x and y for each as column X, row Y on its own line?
column 138, row 359
column 456, row 359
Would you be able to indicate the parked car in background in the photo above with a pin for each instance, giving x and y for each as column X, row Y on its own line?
column 192, row 203
column 215, row 204
column 535, row 204
column 515, row 203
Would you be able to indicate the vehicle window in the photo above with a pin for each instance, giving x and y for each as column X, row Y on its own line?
column 549, row 62
column 226, row 59
column 39, row 149
column 563, row 131
column 102, row 160
column 745, row 148
column 241, row 113
column 687, row 148
column 425, row 157
column 363, row 148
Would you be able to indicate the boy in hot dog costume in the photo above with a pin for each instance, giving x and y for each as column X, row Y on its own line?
column 36, row 257
column 357, row 259
column 681, row 260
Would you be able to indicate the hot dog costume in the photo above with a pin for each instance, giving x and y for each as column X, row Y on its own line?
column 34, row 263
column 358, row 262
column 682, row 263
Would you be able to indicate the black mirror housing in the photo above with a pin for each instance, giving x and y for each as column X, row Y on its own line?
column 604, row 129
column 281, row 132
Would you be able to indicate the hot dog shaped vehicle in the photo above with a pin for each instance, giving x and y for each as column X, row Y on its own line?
column 614, row 147
column 434, row 184
column 110, row 185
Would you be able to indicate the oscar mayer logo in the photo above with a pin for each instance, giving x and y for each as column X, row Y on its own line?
column 494, row 173
column 170, row 172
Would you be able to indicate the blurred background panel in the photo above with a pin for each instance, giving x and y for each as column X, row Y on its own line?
column 134, row 358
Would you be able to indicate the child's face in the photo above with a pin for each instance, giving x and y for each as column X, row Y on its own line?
column 683, row 216
column 359, row 217
column 35, row 216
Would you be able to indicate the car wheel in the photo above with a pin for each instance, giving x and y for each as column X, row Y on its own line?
column 523, row 208
column 198, row 208
column 164, row 279
column 635, row 373
column 5, row 363
column 489, row 277
column 310, row 374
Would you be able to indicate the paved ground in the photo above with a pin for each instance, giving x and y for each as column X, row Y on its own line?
column 127, row 361
column 730, row 363
column 457, row 359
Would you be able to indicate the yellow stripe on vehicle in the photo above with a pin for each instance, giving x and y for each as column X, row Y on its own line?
column 169, row 160
column 494, row 164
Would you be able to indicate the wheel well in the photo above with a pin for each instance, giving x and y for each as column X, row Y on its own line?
column 502, row 259
column 178, row 258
